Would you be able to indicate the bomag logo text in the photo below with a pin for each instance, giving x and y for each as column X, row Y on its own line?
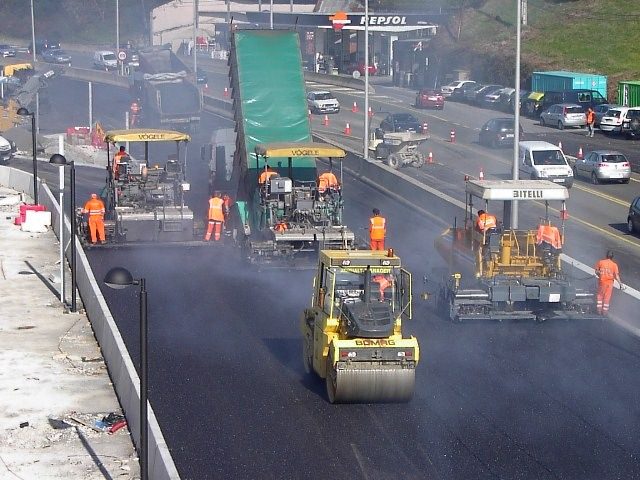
column 375, row 343
column 151, row 136
column 385, row 20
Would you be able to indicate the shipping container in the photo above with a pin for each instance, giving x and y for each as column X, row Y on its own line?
column 629, row 93
column 561, row 80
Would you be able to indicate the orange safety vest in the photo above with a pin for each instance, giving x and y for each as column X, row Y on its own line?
column 377, row 228
column 266, row 175
column 94, row 206
column 135, row 108
column 327, row 180
column 281, row 227
column 117, row 158
column 486, row 221
column 591, row 116
column 215, row 209
column 549, row 234
column 607, row 270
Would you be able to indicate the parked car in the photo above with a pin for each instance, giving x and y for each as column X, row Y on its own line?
column 426, row 98
column 201, row 77
column 631, row 124
column 633, row 217
column 603, row 165
column 359, row 67
column 56, row 55
column 506, row 103
column 400, row 122
column 491, row 98
column 7, row 149
column 322, row 101
column 583, row 97
column 459, row 94
column 105, row 60
column 601, row 109
column 612, row 120
column 447, row 90
column 480, row 93
column 471, row 92
column 7, row 51
column 498, row 132
column 564, row 115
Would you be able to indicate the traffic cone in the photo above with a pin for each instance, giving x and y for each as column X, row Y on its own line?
column 430, row 158
column 481, row 176
column 425, row 128
column 354, row 109
column 370, row 112
column 325, row 121
column 560, row 145
column 580, row 154
column 206, row 87
column 452, row 136
column 347, row 129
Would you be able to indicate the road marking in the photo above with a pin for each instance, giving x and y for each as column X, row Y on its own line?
column 603, row 195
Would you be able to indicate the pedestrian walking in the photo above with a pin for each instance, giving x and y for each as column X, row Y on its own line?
column 606, row 271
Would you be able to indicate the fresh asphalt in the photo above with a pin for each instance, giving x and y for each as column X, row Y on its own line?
column 493, row 400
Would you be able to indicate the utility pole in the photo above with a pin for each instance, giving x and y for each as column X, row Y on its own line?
column 516, row 124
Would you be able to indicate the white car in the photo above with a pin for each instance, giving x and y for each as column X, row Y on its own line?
column 322, row 101
column 105, row 60
column 6, row 150
column 447, row 90
column 612, row 120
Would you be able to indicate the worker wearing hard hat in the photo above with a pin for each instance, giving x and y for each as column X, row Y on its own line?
column 94, row 208
column 216, row 217
column 377, row 230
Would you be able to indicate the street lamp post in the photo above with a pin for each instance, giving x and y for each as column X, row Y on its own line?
column 58, row 159
column 119, row 277
column 365, row 151
column 24, row 112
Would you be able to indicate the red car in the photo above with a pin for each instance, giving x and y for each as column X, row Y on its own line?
column 429, row 99
column 359, row 67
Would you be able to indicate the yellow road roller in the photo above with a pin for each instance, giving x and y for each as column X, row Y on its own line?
column 353, row 330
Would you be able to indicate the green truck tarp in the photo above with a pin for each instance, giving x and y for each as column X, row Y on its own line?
column 269, row 102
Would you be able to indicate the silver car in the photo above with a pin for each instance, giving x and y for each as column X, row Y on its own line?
column 563, row 115
column 603, row 165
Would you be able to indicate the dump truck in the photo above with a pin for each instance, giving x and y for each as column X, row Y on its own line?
column 504, row 273
column 352, row 332
column 278, row 223
column 144, row 199
column 162, row 85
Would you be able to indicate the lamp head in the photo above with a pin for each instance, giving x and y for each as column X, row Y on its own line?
column 58, row 159
column 23, row 111
column 118, row 278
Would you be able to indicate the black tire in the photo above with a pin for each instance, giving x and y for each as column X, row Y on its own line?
column 630, row 227
column 542, row 122
column 594, row 178
column 575, row 172
column 624, row 180
column 330, row 381
column 419, row 160
column 394, row 161
column 560, row 126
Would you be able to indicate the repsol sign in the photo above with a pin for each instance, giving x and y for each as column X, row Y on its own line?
column 385, row 20
column 375, row 342
column 528, row 194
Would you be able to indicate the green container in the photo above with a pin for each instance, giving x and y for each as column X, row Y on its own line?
column 629, row 93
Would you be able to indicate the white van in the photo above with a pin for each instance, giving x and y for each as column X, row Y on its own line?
column 105, row 60
column 544, row 161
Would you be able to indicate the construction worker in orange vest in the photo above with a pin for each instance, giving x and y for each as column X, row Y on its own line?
column 216, row 217
column 327, row 181
column 486, row 222
column 377, row 230
column 266, row 174
column 134, row 113
column 117, row 158
column 607, row 271
column 384, row 282
column 95, row 209
column 549, row 234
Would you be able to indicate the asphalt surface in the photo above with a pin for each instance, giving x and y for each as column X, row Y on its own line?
column 493, row 400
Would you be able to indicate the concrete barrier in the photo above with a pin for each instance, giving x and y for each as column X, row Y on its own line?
column 96, row 76
column 338, row 80
column 121, row 369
